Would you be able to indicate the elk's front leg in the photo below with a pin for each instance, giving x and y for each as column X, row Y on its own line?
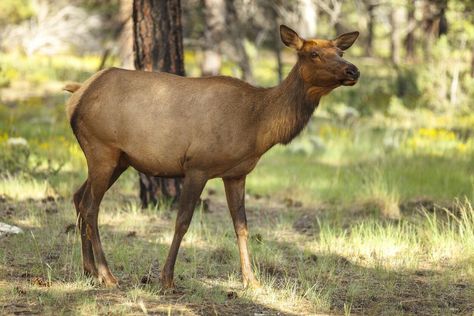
column 192, row 188
column 235, row 193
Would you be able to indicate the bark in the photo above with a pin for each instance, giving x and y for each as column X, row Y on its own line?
column 158, row 41
column 237, row 39
column 213, row 36
column 158, row 46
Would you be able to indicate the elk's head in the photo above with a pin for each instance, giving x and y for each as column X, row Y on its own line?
column 321, row 61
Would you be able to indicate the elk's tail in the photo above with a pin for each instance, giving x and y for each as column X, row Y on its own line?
column 72, row 87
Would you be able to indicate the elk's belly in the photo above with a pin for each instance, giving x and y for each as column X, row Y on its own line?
column 154, row 157
column 166, row 165
column 162, row 154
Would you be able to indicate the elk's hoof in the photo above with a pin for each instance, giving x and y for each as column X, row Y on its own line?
column 90, row 272
column 109, row 281
column 252, row 284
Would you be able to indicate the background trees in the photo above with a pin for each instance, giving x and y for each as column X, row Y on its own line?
column 227, row 36
column 413, row 54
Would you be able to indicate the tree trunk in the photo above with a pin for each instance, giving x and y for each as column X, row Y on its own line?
column 271, row 12
column 369, row 45
column 237, row 38
column 472, row 62
column 126, row 35
column 410, row 38
column 395, row 23
column 435, row 23
column 158, row 46
column 214, row 12
column 308, row 16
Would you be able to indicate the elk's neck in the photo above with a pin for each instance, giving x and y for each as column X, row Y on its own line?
column 288, row 108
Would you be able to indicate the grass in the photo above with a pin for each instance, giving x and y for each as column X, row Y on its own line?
column 357, row 216
column 419, row 264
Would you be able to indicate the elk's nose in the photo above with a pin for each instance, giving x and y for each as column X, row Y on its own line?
column 352, row 72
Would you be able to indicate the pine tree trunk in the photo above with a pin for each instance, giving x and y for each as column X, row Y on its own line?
column 158, row 46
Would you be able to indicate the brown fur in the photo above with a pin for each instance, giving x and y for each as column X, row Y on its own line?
column 199, row 128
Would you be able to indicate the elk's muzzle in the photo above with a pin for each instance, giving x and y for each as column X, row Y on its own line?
column 351, row 75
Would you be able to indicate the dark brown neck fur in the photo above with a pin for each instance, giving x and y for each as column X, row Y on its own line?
column 288, row 108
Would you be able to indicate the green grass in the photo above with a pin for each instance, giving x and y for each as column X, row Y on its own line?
column 363, row 216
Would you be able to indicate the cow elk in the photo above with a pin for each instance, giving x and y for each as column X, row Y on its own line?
column 197, row 128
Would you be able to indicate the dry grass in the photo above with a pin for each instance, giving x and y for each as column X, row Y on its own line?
column 310, row 260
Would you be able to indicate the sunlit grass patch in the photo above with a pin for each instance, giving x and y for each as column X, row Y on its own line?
column 23, row 188
column 452, row 238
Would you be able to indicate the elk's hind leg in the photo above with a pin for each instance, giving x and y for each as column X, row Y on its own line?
column 105, row 166
column 193, row 185
column 87, row 254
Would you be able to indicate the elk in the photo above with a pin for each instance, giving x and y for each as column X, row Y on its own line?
column 197, row 128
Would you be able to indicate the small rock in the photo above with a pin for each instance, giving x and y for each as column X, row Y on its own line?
column 6, row 230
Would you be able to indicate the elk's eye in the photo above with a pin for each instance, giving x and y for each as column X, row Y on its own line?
column 314, row 54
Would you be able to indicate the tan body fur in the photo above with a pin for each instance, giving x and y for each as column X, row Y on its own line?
column 198, row 128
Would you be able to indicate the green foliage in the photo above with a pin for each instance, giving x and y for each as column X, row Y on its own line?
column 15, row 11
column 14, row 157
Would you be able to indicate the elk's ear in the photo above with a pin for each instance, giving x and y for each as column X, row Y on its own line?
column 346, row 40
column 290, row 38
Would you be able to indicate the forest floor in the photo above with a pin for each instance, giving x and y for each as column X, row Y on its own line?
column 315, row 260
